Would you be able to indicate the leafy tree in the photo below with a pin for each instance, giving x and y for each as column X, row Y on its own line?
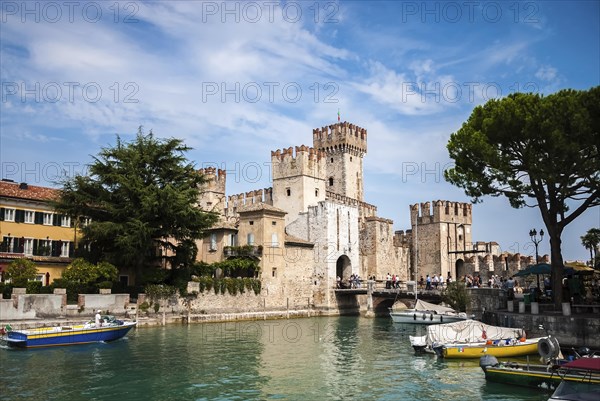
column 83, row 272
column 591, row 241
column 20, row 271
column 536, row 151
column 141, row 198
column 456, row 295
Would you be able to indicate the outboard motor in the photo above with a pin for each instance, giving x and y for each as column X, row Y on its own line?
column 584, row 351
column 488, row 360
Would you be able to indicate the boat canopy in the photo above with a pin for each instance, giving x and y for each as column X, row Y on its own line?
column 469, row 331
column 426, row 306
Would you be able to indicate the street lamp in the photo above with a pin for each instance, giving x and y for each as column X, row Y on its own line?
column 536, row 241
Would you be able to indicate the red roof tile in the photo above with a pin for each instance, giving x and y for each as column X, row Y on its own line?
column 26, row 191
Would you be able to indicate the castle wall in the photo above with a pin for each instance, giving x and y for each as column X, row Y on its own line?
column 298, row 180
column 441, row 236
column 333, row 228
column 382, row 251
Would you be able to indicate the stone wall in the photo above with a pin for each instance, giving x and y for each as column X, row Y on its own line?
column 42, row 306
column 380, row 252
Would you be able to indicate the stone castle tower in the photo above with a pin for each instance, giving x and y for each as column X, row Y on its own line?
column 213, row 191
column 298, row 180
column 441, row 238
column 344, row 145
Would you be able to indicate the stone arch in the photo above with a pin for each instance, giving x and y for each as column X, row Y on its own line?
column 343, row 267
column 461, row 269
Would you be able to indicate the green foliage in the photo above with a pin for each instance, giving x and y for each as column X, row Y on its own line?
column 536, row 151
column 456, row 295
column 6, row 290
column 34, row 287
column 591, row 241
column 158, row 292
column 105, row 285
column 232, row 285
column 238, row 267
column 20, row 271
column 81, row 271
column 141, row 196
column 144, row 306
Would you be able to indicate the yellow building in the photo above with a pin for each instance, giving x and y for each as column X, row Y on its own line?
column 30, row 228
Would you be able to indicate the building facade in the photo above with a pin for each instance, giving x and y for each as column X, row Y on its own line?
column 30, row 228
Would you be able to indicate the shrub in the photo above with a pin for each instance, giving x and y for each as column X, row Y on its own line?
column 20, row 271
column 34, row 287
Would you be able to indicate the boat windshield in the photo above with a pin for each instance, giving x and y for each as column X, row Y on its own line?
column 577, row 391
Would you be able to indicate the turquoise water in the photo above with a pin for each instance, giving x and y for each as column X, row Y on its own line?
column 338, row 358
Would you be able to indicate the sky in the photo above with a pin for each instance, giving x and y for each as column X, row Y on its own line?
column 237, row 80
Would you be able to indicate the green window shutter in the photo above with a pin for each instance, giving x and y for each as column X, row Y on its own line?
column 39, row 218
column 19, row 216
column 1, row 214
column 56, row 219
column 35, row 246
column 71, row 248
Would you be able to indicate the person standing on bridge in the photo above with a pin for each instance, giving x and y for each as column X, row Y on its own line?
column 428, row 282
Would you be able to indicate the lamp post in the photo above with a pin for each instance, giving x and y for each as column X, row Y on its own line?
column 536, row 242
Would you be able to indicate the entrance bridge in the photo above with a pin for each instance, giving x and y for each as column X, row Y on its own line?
column 380, row 298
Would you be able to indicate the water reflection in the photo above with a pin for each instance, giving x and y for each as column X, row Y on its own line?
column 339, row 358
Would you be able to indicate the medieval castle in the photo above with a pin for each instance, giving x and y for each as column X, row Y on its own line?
column 313, row 225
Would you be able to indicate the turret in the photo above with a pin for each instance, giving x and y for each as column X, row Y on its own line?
column 345, row 145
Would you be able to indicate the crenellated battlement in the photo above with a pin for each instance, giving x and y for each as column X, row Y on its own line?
column 365, row 209
column 442, row 212
column 341, row 137
column 215, row 179
column 307, row 161
column 248, row 198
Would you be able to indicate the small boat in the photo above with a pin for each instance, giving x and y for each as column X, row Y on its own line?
column 472, row 339
column 586, row 389
column 426, row 313
column 110, row 330
column 546, row 377
column 504, row 348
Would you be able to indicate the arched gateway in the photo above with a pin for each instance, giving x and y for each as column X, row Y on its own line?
column 343, row 267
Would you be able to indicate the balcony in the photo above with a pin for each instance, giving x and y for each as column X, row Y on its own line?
column 247, row 251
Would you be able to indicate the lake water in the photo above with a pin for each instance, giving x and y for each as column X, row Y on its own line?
column 337, row 358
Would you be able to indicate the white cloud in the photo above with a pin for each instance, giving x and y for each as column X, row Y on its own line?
column 546, row 73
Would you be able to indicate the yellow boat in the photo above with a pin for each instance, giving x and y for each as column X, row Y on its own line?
column 498, row 348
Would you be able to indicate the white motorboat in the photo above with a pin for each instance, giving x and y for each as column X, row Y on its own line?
column 426, row 313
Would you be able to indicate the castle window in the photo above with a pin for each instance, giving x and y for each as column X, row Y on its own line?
column 332, row 159
column 350, row 158
column 213, row 242
column 330, row 181
column 250, row 239
column 233, row 240
column 274, row 240
column 316, row 192
column 273, row 223
column 208, row 204
column 274, row 272
column 251, row 222
column 288, row 191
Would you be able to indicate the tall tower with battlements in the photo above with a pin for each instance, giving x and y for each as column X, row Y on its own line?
column 298, row 180
column 344, row 145
column 442, row 237
column 212, row 196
